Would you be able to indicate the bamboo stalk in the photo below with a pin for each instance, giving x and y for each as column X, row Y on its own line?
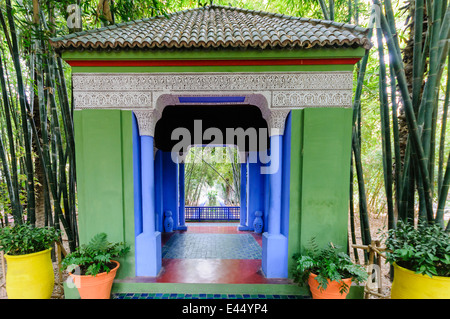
column 12, row 181
column 356, row 144
column 410, row 116
column 443, row 129
column 323, row 6
column 352, row 213
column 396, row 140
column 365, row 226
column 430, row 91
column 417, row 55
column 23, row 107
column 385, row 130
column 331, row 2
column 443, row 195
column 377, row 245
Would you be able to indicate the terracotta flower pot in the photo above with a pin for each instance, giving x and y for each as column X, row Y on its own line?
column 409, row 285
column 95, row 287
column 331, row 292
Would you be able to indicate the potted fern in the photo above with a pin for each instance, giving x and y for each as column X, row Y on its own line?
column 421, row 259
column 328, row 271
column 27, row 252
column 93, row 266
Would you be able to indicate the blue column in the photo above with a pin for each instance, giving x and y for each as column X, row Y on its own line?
column 137, row 178
column 275, row 179
column 256, row 191
column 182, row 199
column 274, row 254
column 170, row 187
column 243, row 210
column 148, row 243
column 159, row 191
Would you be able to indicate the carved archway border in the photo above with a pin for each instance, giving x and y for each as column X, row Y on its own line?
column 147, row 119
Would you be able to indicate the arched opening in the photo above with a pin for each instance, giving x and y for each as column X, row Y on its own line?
column 224, row 118
column 165, row 135
column 213, row 244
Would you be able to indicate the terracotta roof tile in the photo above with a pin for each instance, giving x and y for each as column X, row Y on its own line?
column 218, row 26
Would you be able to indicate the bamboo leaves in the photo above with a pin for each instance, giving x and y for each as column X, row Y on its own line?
column 44, row 129
column 421, row 109
column 213, row 168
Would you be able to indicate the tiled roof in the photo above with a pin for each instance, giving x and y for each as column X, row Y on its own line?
column 218, row 26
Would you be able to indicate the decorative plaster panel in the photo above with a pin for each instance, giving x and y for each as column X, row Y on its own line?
column 291, row 89
column 213, row 81
column 275, row 93
column 147, row 121
column 112, row 100
column 309, row 98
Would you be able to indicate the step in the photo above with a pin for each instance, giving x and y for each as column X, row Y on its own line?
column 133, row 290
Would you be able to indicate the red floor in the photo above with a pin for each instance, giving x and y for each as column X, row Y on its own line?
column 231, row 271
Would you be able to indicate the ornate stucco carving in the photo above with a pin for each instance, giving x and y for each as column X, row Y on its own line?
column 261, row 81
column 308, row 98
column 277, row 122
column 147, row 94
column 147, row 121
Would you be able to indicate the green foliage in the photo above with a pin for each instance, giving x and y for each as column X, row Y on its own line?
column 328, row 263
column 212, row 198
column 25, row 239
column 94, row 257
column 216, row 168
column 424, row 249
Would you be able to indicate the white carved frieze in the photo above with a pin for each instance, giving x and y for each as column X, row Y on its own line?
column 213, row 81
column 135, row 91
column 274, row 93
column 310, row 98
column 112, row 100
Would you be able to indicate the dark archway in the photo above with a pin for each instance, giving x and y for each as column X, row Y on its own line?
column 222, row 117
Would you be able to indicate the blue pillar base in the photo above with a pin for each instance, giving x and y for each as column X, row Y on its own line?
column 243, row 227
column 182, row 227
column 148, row 254
column 274, row 256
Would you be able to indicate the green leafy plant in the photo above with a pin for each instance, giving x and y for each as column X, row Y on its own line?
column 22, row 239
column 328, row 263
column 424, row 249
column 94, row 257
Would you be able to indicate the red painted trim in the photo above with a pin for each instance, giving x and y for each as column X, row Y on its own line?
column 212, row 62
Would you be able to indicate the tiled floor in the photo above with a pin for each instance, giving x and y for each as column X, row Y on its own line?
column 211, row 246
column 202, row 296
column 210, row 253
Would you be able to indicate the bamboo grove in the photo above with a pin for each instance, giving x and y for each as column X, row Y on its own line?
column 37, row 149
column 36, row 145
column 419, row 96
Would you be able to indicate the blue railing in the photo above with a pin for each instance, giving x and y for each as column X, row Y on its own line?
column 203, row 213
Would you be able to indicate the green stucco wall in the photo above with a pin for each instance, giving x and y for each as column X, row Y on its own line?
column 104, row 151
column 320, row 172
